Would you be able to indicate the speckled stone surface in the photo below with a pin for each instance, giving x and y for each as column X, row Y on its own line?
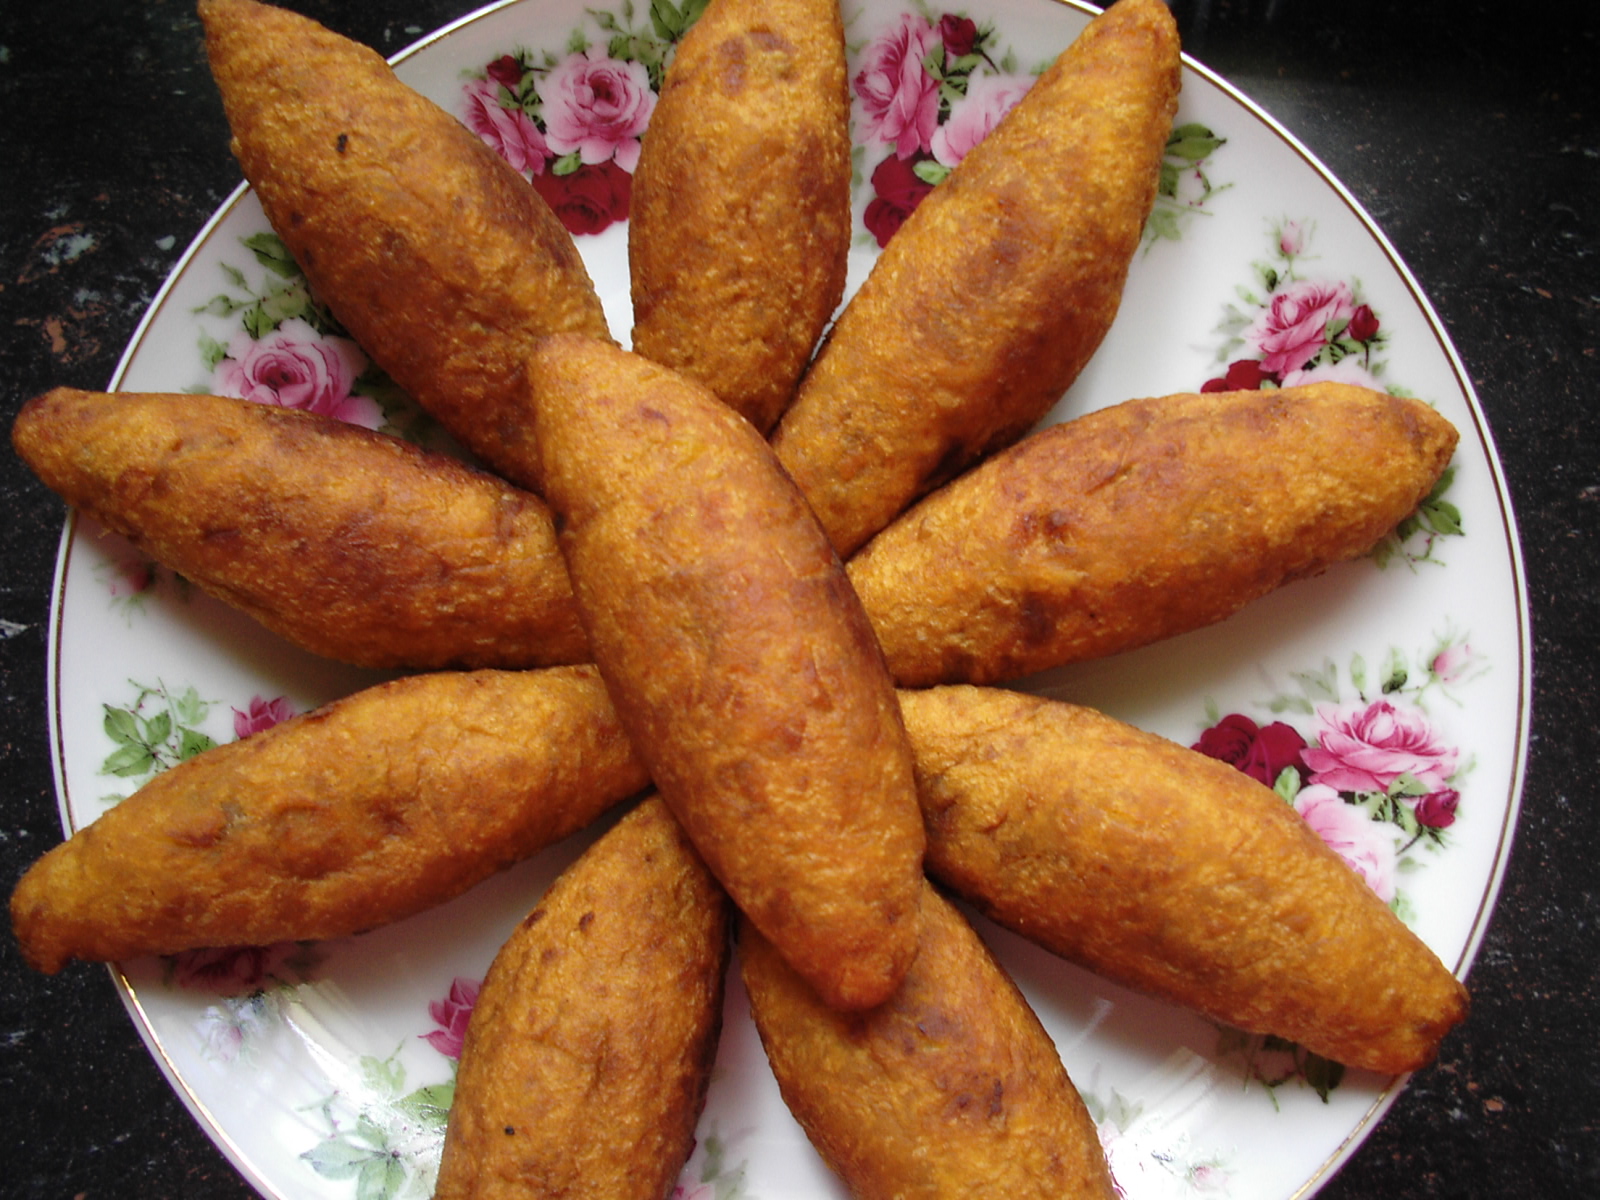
column 1470, row 131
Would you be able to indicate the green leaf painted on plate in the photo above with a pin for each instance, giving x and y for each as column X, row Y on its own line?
column 1287, row 785
column 382, row 1075
column 381, row 1177
column 271, row 253
column 189, row 707
column 158, row 728
column 192, row 742
column 121, row 725
column 211, row 351
column 129, row 761
column 1193, row 142
column 429, row 1105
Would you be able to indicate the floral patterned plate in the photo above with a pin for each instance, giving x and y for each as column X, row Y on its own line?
column 1386, row 699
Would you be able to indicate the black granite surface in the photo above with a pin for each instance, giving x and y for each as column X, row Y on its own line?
column 1469, row 130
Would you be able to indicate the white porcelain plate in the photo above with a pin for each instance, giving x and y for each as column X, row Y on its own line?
column 325, row 1070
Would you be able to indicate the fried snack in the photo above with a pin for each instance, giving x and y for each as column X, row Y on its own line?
column 950, row 1088
column 740, row 223
column 590, row 1047
column 351, row 544
column 365, row 811
column 1140, row 522
column 738, row 659
column 1172, row 873
column 440, row 259
column 992, row 296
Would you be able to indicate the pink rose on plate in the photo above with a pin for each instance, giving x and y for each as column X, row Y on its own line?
column 452, row 1015
column 597, row 106
column 294, row 366
column 230, row 970
column 1347, row 370
column 260, row 714
column 227, row 1030
column 989, row 98
column 1366, row 747
column 900, row 100
column 1454, row 664
column 1292, row 239
column 1352, row 834
column 509, row 132
column 1294, row 326
column 132, row 577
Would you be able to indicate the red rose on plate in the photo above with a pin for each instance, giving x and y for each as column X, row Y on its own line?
column 896, row 193
column 1242, row 375
column 959, row 34
column 1437, row 810
column 1261, row 752
column 589, row 199
column 1363, row 325
column 506, row 71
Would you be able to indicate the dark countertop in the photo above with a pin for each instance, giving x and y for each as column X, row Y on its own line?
column 1470, row 131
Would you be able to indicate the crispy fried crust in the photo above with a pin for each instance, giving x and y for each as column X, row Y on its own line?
column 1140, row 522
column 367, row 810
column 740, row 224
column 590, row 1048
column 354, row 545
column 439, row 258
column 1172, row 873
column 739, row 660
column 991, row 297
column 950, row 1088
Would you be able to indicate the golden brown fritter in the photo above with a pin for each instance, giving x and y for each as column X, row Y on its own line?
column 740, row 224
column 351, row 544
column 739, row 660
column 365, row 811
column 992, row 296
column 950, row 1088
column 1140, row 522
column 1172, row 873
column 440, row 259
column 590, row 1047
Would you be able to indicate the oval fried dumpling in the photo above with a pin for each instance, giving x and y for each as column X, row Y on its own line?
column 949, row 1088
column 589, row 1049
column 739, row 660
